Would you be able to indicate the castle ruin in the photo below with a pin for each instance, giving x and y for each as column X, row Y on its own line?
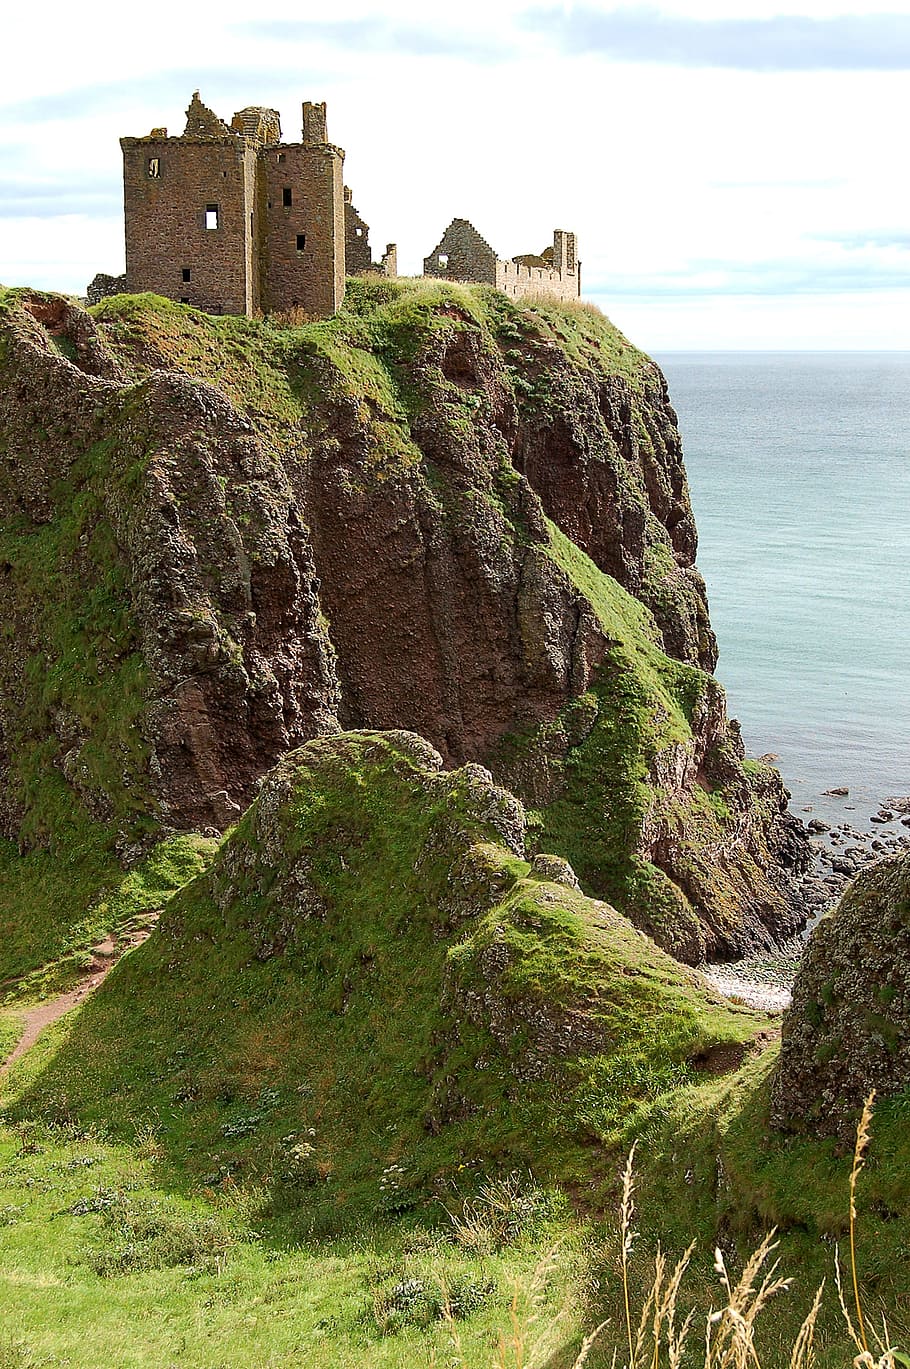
column 232, row 220
column 464, row 255
column 235, row 221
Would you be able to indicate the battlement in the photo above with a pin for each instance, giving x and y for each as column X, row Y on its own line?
column 463, row 254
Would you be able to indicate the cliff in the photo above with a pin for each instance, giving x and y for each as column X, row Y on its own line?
column 437, row 511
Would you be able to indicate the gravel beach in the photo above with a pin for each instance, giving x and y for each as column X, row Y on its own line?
column 841, row 849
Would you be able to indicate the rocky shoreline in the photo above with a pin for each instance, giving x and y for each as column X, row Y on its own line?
column 840, row 852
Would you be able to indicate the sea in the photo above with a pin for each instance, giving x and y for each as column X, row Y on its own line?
column 799, row 472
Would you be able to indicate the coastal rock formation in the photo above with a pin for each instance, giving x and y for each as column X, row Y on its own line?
column 848, row 1030
column 370, row 955
column 438, row 511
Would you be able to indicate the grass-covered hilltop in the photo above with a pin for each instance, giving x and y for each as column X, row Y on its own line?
column 367, row 803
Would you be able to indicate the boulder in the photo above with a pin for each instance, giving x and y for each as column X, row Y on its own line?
column 848, row 1030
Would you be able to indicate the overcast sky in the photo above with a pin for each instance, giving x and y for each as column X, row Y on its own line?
column 736, row 170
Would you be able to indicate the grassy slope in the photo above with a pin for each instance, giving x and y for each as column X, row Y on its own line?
column 288, row 1096
column 229, row 1300
column 348, row 1031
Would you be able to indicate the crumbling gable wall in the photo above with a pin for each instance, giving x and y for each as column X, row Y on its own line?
column 358, row 258
column 462, row 254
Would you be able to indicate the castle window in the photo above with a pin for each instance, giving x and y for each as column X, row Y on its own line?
column 185, row 273
column 211, row 216
column 154, row 168
column 443, row 259
column 281, row 156
column 286, row 197
column 301, row 241
column 184, row 299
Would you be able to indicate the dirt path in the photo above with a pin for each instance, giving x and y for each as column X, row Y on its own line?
column 104, row 957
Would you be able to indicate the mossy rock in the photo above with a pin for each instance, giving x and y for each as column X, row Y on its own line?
column 372, row 954
column 848, row 1030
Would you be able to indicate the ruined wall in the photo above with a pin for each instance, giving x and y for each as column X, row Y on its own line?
column 517, row 280
column 462, row 254
column 102, row 286
column 388, row 266
column 165, row 220
column 358, row 258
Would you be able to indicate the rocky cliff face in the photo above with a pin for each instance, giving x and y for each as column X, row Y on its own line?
column 848, row 1030
column 438, row 511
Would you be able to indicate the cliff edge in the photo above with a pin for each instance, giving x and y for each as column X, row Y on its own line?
column 440, row 511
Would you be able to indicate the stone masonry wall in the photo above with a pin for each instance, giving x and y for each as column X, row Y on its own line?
column 358, row 258
column 274, row 238
column 302, row 242
column 165, row 217
column 517, row 280
column 462, row 254
column 103, row 286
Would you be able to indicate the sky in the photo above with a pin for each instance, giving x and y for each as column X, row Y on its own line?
column 735, row 170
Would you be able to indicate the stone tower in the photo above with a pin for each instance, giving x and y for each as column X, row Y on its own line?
column 231, row 219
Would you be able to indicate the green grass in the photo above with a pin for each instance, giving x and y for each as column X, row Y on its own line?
column 102, row 1261
column 349, row 954
column 54, row 906
column 101, row 1265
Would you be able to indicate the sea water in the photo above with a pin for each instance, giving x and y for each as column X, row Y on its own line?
column 799, row 470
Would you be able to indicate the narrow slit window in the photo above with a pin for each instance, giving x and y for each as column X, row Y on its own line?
column 154, row 168
column 287, row 198
column 301, row 242
column 281, row 156
column 185, row 273
column 211, row 216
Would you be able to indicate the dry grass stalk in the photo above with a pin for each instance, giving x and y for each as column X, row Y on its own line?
column 803, row 1353
column 859, row 1159
column 730, row 1332
column 654, row 1341
column 627, row 1215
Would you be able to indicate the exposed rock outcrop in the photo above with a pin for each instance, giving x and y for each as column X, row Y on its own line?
column 439, row 511
column 848, row 1030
